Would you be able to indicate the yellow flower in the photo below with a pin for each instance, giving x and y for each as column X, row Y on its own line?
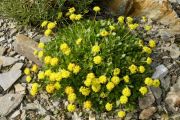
column 103, row 79
column 90, row 75
column 28, row 78
column 123, row 99
column 65, row 73
column 143, row 90
column 144, row 19
column 54, row 61
column 156, row 83
column 111, row 27
column 152, row 43
column 35, row 86
column 85, row 91
column 58, row 76
column 76, row 69
column 67, row 52
column 96, row 8
column 104, row 33
column 115, row 80
column 64, row 47
column 87, row 105
column 41, row 45
column 121, row 114
column 95, row 49
column 78, row 17
column 35, row 52
column 71, row 97
column 41, row 75
column 147, row 50
column 72, row 10
column 34, row 68
column 48, row 72
column 40, row 54
column 110, row 86
column 52, row 76
column 47, row 60
column 147, row 27
column 148, row 81
column 44, row 23
column 72, row 17
column 57, row 86
column 47, row 32
column 141, row 69
column 27, row 71
column 69, row 90
column 87, row 82
column 126, row 92
column 51, row 25
column 126, row 79
column 116, row 71
column 149, row 60
column 33, row 92
column 108, row 106
column 78, row 41
column 103, row 95
column 129, row 20
column 71, row 108
column 50, row 88
column 132, row 26
column 71, row 66
column 97, row 59
column 121, row 19
column 133, row 68
column 96, row 88
column 141, row 43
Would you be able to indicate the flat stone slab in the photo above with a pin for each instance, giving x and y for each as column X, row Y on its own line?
column 6, row 61
column 9, row 78
column 9, row 102
column 26, row 46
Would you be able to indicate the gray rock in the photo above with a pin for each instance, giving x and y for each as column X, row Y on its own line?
column 157, row 92
column 2, row 50
column 147, row 100
column 23, row 115
column 165, row 83
column 47, row 118
column 13, row 32
column 3, row 118
column 161, row 71
column 9, row 102
column 20, row 89
column 9, row 78
column 26, row 46
column 173, row 97
column 2, row 39
column 35, row 106
column 17, row 66
column 147, row 113
column 165, row 35
column 6, row 61
column 15, row 114
column 175, row 117
column 76, row 117
column 45, row 39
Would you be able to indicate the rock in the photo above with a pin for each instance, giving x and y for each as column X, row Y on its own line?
column 9, row 78
column 26, row 46
column 13, row 32
column 120, row 7
column 15, row 114
column 92, row 117
column 17, row 66
column 2, row 50
column 165, row 35
column 6, row 61
column 173, row 97
column 45, row 39
column 23, row 115
column 35, row 106
column 161, row 72
column 20, row 89
column 2, row 39
column 9, row 102
column 147, row 113
column 47, row 118
column 157, row 92
column 165, row 83
column 76, row 117
column 3, row 118
column 175, row 117
column 147, row 100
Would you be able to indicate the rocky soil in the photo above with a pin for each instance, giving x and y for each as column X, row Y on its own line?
column 16, row 52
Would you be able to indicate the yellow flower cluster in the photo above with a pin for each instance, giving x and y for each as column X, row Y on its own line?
column 72, row 15
column 96, row 8
column 104, row 33
column 65, row 49
column 50, row 26
column 74, row 68
column 87, row 105
column 34, row 89
column 109, row 106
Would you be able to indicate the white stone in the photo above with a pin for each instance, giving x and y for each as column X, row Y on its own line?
column 20, row 89
column 6, row 61
column 17, row 66
column 161, row 72
column 15, row 114
column 9, row 102
column 9, row 78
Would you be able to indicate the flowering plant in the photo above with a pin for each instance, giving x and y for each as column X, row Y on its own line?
column 99, row 65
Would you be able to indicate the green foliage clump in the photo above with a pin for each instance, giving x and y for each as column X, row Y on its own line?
column 99, row 65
